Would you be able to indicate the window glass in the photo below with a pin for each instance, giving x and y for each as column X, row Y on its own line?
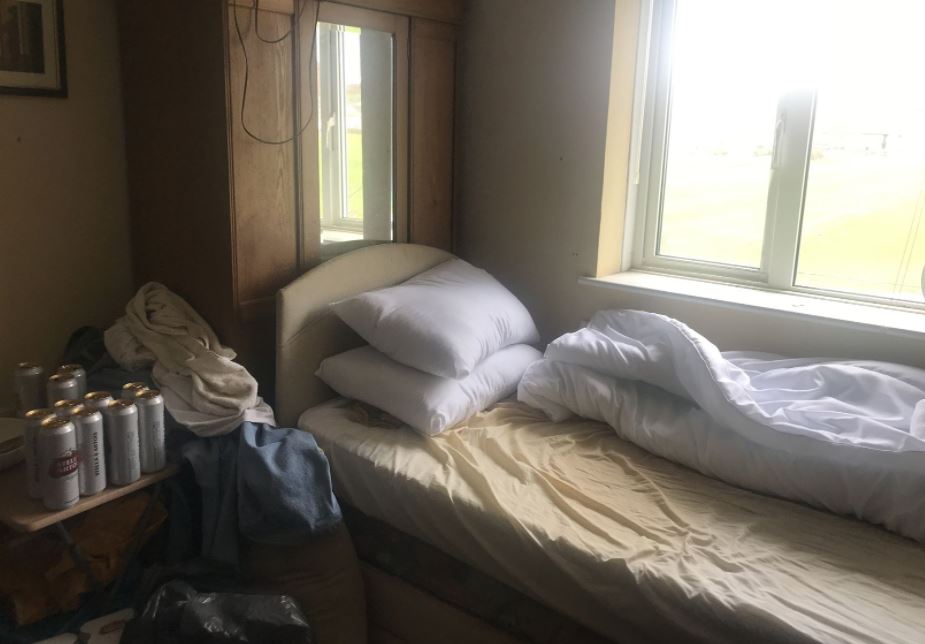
column 725, row 86
column 787, row 136
column 355, row 133
column 862, row 228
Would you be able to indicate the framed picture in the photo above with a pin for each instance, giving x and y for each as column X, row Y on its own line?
column 32, row 48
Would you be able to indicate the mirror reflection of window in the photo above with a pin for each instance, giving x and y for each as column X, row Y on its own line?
column 355, row 133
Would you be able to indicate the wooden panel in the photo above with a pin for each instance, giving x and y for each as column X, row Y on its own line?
column 24, row 514
column 173, row 79
column 277, row 6
column 263, row 179
column 440, row 10
column 433, row 65
column 310, row 224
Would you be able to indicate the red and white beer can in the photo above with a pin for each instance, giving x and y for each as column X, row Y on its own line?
column 58, row 450
column 34, row 418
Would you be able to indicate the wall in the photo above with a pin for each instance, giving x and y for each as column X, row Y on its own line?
column 532, row 123
column 64, row 256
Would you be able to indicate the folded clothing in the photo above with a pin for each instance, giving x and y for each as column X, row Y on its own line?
column 444, row 321
column 847, row 436
column 428, row 404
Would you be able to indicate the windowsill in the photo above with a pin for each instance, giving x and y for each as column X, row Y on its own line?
column 840, row 312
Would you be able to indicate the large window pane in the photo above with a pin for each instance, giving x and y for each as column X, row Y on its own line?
column 355, row 133
column 728, row 74
column 863, row 229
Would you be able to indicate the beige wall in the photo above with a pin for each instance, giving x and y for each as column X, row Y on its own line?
column 64, row 257
column 534, row 84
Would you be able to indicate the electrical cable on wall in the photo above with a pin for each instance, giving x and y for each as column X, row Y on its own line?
column 298, row 17
column 311, row 60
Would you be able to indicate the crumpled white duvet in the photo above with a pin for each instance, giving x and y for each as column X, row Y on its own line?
column 203, row 388
column 847, row 436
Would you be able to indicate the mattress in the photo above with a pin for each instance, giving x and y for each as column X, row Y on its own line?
column 631, row 545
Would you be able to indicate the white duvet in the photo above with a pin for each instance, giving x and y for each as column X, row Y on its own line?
column 848, row 436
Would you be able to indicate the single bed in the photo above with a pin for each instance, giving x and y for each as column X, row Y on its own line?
column 632, row 546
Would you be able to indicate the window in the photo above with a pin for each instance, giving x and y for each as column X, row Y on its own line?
column 782, row 144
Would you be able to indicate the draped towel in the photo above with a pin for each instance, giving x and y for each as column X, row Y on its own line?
column 203, row 388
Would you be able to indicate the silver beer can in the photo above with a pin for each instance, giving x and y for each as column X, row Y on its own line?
column 150, row 405
column 122, row 437
column 61, row 386
column 58, row 449
column 34, row 418
column 66, row 408
column 99, row 400
column 29, row 383
column 130, row 390
column 91, row 470
column 78, row 372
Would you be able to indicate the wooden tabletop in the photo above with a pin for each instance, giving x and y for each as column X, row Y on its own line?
column 23, row 514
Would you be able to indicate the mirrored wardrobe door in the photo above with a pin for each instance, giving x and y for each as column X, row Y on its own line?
column 353, row 152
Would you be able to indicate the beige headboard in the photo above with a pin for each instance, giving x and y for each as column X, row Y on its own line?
column 307, row 331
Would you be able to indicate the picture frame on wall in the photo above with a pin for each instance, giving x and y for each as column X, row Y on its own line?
column 32, row 59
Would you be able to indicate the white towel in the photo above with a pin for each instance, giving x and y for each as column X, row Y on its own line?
column 203, row 388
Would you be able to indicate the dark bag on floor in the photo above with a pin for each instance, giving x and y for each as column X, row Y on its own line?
column 176, row 613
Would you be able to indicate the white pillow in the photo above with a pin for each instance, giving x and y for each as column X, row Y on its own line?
column 427, row 403
column 444, row 321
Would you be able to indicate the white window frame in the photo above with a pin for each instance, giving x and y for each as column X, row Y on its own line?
column 790, row 159
column 331, row 73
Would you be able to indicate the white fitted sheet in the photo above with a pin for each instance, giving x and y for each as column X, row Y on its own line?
column 629, row 544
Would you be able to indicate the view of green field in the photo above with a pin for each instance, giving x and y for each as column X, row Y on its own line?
column 863, row 217
column 859, row 212
column 355, row 174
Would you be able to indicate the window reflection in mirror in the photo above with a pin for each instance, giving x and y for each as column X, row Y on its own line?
column 355, row 133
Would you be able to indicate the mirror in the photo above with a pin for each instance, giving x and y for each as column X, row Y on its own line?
column 356, row 174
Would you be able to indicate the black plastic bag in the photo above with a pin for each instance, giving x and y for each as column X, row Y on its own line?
column 177, row 613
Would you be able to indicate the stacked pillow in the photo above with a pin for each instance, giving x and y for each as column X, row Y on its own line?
column 444, row 345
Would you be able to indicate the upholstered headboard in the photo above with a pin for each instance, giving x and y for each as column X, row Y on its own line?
column 307, row 331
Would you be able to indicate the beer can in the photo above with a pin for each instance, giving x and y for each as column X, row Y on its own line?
column 98, row 400
column 58, row 449
column 78, row 372
column 150, row 405
column 29, row 384
column 34, row 418
column 91, row 468
column 61, row 386
column 130, row 390
column 66, row 408
column 122, row 437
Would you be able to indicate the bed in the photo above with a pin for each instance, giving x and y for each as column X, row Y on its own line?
column 629, row 545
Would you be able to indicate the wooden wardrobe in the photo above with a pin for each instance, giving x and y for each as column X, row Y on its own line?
column 226, row 220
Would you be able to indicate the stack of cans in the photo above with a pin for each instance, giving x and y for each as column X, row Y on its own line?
column 77, row 442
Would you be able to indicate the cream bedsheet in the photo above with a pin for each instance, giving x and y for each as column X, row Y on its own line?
column 633, row 546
